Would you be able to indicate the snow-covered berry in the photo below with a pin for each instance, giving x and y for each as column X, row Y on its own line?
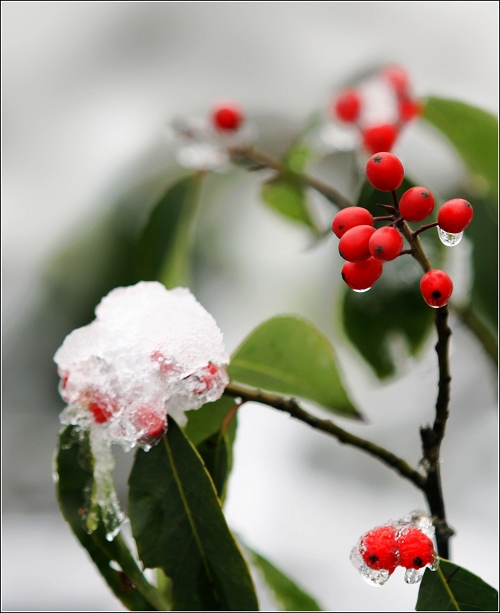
column 379, row 550
column 150, row 352
column 416, row 550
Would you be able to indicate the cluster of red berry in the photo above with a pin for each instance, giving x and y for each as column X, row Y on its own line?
column 387, row 547
column 366, row 249
column 348, row 107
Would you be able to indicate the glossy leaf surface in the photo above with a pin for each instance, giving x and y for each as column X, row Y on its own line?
column 472, row 132
column 178, row 526
column 453, row 588
column 483, row 232
column 288, row 594
column 74, row 469
column 162, row 251
column 212, row 429
column 290, row 356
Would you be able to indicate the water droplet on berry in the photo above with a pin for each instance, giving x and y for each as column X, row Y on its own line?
column 448, row 238
column 435, row 564
column 412, row 576
column 377, row 578
column 421, row 520
column 361, row 291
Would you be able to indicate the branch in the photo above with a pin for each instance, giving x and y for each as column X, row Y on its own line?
column 263, row 160
column 290, row 406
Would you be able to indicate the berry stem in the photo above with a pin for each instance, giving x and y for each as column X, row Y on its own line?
column 290, row 406
column 266, row 161
column 426, row 227
column 432, row 437
column 383, row 218
column 387, row 207
column 395, row 200
column 416, row 246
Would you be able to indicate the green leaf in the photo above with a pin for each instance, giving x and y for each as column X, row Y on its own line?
column 178, row 525
column 483, row 232
column 290, row 356
column 74, row 467
column 372, row 320
column 297, row 156
column 453, row 588
column 207, row 420
column 288, row 594
column 472, row 132
column 214, row 452
column 286, row 195
column 212, row 429
column 101, row 258
column 162, row 251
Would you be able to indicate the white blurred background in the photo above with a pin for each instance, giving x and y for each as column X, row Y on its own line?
column 87, row 90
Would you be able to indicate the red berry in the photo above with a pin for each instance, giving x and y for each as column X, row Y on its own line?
column 398, row 78
column 147, row 419
column 361, row 275
column 207, row 378
column 455, row 215
column 385, row 172
column 349, row 218
column 385, row 244
column 415, row 549
column 380, row 138
column 408, row 109
column 100, row 411
column 227, row 117
column 353, row 246
column 347, row 105
column 436, row 287
column 416, row 204
column 379, row 550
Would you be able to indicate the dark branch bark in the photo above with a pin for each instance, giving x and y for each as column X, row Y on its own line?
column 290, row 406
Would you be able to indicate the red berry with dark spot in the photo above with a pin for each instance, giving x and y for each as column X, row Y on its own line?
column 398, row 78
column 353, row 246
column 385, row 172
column 227, row 117
column 362, row 275
column 379, row 550
column 385, row 244
column 436, row 287
column 416, row 204
column 347, row 106
column 455, row 215
column 380, row 138
column 349, row 218
column 415, row 549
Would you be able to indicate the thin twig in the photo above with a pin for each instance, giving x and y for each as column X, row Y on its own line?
column 383, row 218
column 424, row 228
column 266, row 161
column 290, row 406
